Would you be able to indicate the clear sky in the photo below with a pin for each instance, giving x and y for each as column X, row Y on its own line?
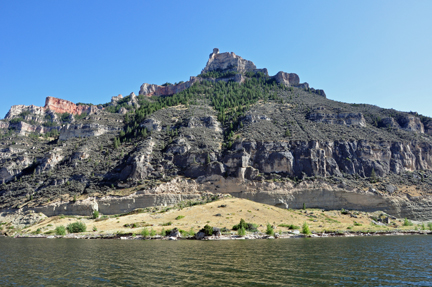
column 376, row 52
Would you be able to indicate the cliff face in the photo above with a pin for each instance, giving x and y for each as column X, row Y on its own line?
column 233, row 129
column 62, row 106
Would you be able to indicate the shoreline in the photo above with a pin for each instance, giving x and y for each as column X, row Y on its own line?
column 226, row 237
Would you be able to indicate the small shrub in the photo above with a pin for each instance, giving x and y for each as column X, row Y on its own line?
column 208, row 230
column 241, row 231
column 304, row 206
column 95, row 214
column 60, row 230
column 305, row 229
column 94, row 228
column 357, row 224
column 430, row 226
column 152, row 232
column 163, row 233
column 407, row 222
column 269, row 230
column 76, row 227
column 38, row 231
column 179, row 217
column 145, row 232
column 167, row 223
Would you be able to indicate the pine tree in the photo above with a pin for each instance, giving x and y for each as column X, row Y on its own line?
column 373, row 177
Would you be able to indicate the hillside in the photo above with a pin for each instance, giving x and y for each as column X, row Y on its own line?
column 225, row 213
column 232, row 129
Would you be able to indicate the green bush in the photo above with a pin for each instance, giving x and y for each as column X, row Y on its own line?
column 95, row 214
column 76, row 227
column 357, row 224
column 167, row 223
column 430, row 226
column 241, row 231
column 152, row 232
column 252, row 227
column 269, row 230
column 208, row 230
column 407, row 222
column 60, row 230
column 305, row 229
column 179, row 217
column 145, row 232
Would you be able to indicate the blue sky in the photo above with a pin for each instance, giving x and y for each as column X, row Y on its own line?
column 376, row 52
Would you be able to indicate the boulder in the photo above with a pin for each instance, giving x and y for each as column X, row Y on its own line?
column 200, row 235
column 175, row 233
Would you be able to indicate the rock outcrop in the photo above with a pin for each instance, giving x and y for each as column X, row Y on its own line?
column 347, row 119
column 273, row 140
column 405, row 122
column 227, row 62
column 63, row 106
column 85, row 130
column 287, row 79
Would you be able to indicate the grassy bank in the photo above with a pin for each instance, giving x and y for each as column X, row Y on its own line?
column 228, row 212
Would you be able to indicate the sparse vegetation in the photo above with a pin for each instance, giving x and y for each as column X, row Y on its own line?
column 76, row 227
column 407, row 222
column 269, row 230
column 305, row 229
column 60, row 230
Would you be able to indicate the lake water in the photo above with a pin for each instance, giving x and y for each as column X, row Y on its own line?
column 359, row 261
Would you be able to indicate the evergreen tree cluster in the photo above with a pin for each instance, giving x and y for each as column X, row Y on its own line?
column 230, row 99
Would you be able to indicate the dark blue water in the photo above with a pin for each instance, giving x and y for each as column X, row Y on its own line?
column 359, row 261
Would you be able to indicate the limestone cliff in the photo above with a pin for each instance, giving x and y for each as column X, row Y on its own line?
column 232, row 129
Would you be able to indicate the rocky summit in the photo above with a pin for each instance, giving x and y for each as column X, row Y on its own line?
column 233, row 129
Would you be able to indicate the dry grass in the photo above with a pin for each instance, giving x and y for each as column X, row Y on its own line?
column 212, row 213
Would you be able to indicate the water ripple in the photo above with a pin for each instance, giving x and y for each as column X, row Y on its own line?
column 360, row 261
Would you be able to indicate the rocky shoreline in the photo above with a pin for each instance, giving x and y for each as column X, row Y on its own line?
column 229, row 237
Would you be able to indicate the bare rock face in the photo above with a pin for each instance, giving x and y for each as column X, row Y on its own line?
column 287, row 79
column 346, row 119
column 24, row 128
column 63, row 106
column 123, row 111
column 12, row 168
column 411, row 123
column 156, row 90
column 208, row 122
column 16, row 110
column 428, row 127
column 148, row 89
column 151, row 125
column 227, row 61
column 389, row 122
column 114, row 99
column 255, row 118
column 50, row 160
column 85, row 130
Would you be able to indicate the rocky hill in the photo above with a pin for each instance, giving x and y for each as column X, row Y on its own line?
column 232, row 129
